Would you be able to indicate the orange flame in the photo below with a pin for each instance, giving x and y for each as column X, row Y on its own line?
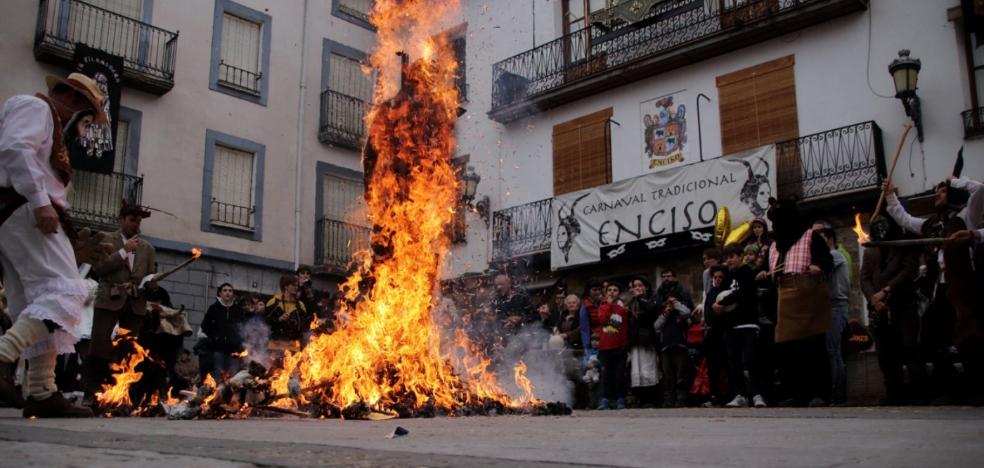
column 388, row 352
column 863, row 237
column 196, row 252
column 210, row 382
column 117, row 395
column 242, row 354
column 519, row 375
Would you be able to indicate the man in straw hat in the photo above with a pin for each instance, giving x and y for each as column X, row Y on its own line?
column 44, row 289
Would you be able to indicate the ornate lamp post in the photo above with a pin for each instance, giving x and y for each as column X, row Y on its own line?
column 905, row 74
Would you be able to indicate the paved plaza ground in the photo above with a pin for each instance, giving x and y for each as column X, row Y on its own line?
column 825, row 437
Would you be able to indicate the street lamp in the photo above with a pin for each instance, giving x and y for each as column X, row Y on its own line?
column 468, row 188
column 905, row 74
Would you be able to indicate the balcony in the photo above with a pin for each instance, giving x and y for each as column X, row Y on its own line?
column 521, row 230
column 342, row 120
column 96, row 198
column 832, row 164
column 337, row 241
column 676, row 34
column 239, row 79
column 973, row 120
column 233, row 216
column 148, row 52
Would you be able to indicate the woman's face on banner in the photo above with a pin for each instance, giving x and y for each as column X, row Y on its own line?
column 763, row 195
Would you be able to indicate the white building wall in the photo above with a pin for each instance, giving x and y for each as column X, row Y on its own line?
column 172, row 142
column 515, row 159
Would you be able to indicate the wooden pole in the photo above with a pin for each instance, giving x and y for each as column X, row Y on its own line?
column 895, row 161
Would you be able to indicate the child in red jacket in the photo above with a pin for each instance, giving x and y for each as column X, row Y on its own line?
column 611, row 347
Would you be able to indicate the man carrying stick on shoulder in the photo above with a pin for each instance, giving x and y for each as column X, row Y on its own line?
column 40, row 272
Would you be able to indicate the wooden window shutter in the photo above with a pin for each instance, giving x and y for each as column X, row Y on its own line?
column 758, row 105
column 582, row 152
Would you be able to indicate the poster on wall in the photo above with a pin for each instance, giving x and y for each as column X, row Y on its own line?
column 660, row 211
column 94, row 150
column 664, row 136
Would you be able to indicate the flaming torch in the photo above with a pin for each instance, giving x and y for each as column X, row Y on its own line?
column 196, row 253
column 863, row 237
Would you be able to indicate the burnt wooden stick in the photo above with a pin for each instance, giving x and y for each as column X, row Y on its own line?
column 906, row 242
column 283, row 410
column 895, row 161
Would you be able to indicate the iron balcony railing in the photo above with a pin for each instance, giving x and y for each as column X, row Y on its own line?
column 96, row 198
column 337, row 241
column 354, row 8
column 149, row 53
column 230, row 215
column 835, row 162
column 973, row 120
column 673, row 34
column 521, row 230
column 342, row 120
column 239, row 78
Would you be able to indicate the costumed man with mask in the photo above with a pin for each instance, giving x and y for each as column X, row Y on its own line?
column 41, row 275
column 887, row 281
column 119, row 299
column 799, row 262
column 959, row 218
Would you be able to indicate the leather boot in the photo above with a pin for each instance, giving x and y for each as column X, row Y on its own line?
column 9, row 392
column 55, row 406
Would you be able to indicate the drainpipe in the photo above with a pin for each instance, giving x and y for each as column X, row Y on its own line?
column 299, row 157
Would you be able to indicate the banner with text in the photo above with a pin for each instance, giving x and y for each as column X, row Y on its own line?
column 661, row 211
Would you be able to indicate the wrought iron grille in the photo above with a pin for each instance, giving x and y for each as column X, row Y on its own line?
column 834, row 162
column 591, row 51
column 521, row 230
column 239, row 78
column 342, row 119
column 148, row 52
column 227, row 214
column 96, row 198
column 337, row 241
column 973, row 120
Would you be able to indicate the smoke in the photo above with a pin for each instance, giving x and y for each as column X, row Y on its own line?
column 546, row 368
column 256, row 335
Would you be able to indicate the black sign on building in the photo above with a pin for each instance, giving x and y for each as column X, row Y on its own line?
column 96, row 149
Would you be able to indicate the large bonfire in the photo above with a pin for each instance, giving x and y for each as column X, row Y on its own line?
column 389, row 356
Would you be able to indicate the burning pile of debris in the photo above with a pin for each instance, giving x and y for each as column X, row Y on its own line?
column 388, row 358
column 249, row 393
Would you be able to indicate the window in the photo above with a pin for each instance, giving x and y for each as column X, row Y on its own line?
column 459, row 225
column 240, row 52
column 577, row 13
column 95, row 197
column 232, row 192
column 971, row 28
column 342, row 227
column 582, row 156
column 106, row 31
column 346, row 90
column 354, row 11
column 461, row 82
column 758, row 105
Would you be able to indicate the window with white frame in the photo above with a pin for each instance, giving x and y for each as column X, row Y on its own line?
column 240, row 64
column 239, row 56
column 233, row 191
column 343, row 226
column 347, row 90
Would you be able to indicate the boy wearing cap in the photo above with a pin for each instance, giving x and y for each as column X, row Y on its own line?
column 40, row 271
